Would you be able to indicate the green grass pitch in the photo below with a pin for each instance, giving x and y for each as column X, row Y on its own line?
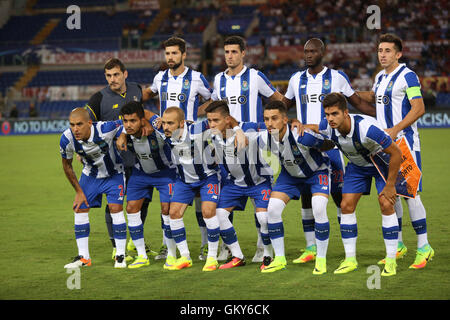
column 37, row 239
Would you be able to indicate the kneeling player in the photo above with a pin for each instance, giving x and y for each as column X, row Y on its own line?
column 248, row 176
column 196, row 173
column 358, row 137
column 152, row 170
column 102, row 174
column 303, row 169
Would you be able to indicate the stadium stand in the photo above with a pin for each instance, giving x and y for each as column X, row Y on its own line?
column 134, row 30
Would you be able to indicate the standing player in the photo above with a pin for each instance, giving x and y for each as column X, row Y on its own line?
column 309, row 87
column 105, row 105
column 243, row 89
column 359, row 137
column 102, row 174
column 248, row 176
column 152, row 170
column 399, row 103
column 180, row 86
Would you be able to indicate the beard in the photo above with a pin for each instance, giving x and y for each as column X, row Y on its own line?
column 314, row 64
column 175, row 66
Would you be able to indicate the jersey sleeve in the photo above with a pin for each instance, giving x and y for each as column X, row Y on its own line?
column 114, row 128
column 375, row 81
column 324, row 129
column 199, row 127
column 379, row 136
column 204, row 89
column 290, row 92
column 252, row 126
column 311, row 139
column 264, row 85
column 215, row 93
column 153, row 122
column 93, row 106
column 142, row 91
column 65, row 147
column 346, row 86
column 154, row 85
column 413, row 86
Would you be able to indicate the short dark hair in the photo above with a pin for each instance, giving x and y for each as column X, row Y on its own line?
column 133, row 107
column 276, row 105
column 112, row 63
column 175, row 41
column 235, row 40
column 391, row 38
column 218, row 106
column 335, row 99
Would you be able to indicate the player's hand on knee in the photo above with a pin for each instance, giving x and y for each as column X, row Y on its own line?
column 389, row 194
column 80, row 198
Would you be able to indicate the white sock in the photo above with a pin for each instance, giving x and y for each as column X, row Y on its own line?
column 262, row 217
column 179, row 235
column 170, row 242
column 322, row 225
column 418, row 219
column 135, row 221
column 120, row 232
column 212, row 225
column 339, row 214
column 275, row 225
column 349, row 234
column 308, row 226
column 399, row 212
column 82, row 229
column 390, row 234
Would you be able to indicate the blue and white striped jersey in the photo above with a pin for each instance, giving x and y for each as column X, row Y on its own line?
column 299, row 155
column 309, row 91
column 192, row 154
column 366, row 138
column 243, row 93
column 153, row 154
column 181, row 91
column 246, row 167
column 392, row 101
column 100, row 158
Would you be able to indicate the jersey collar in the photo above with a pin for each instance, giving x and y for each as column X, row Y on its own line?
column 309, row 75
column 394, row 71
column 238, row 75
column 181, row 75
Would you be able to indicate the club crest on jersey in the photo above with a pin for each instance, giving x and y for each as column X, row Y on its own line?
column 153, row 144
column 135, row 98
column 390, row 85
column 186, row 84
column 244, row 85
column 326, row 84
